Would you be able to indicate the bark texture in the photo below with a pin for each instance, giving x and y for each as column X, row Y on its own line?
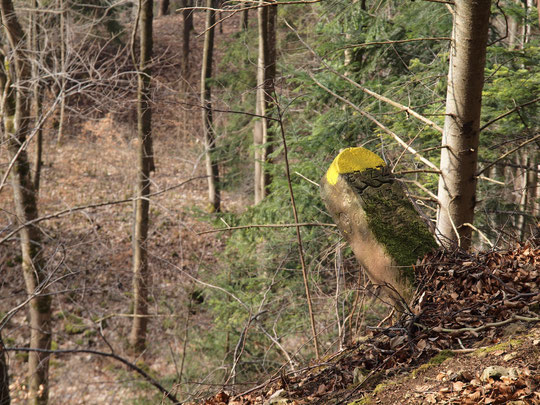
column 62, row 90
column 37, row 96
column 212, row 168
column 145, row 163
column 457, row 184
column 16, row 115
column 377, row 219
column 164, row 7
column 266, row 73
column 187, row 16
column 4, row 375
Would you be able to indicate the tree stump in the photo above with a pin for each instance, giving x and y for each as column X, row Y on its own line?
column 380, row 223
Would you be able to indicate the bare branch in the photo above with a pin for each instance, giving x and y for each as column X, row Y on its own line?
column 401, row 107
column 517, row 108
column 169, row 395
column 380, row 125
column 521, row 145
column 398, row 41
column 233, row 228
column 65, row 212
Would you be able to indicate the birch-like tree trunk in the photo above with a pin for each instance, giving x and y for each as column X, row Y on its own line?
column 266, row 73
column 212, row 168
column 16, row 116
column 145, row 165
column 457, row 183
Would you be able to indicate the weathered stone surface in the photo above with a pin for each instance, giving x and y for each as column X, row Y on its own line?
column 377, row 219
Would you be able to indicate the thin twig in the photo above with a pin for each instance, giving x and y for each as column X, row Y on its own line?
column 513, row 318
column 298, row 235
column 508, row 113
column 376, row 122
column 398, row 41
column 393, row 103
column 132, row 366
column 233, row 228
column 521, row 145
column 62, row 213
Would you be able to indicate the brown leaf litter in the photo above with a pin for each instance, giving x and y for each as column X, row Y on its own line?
column 465, row 303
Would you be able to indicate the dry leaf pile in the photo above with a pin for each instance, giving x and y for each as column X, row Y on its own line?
column 463, row 301
column 496, row 385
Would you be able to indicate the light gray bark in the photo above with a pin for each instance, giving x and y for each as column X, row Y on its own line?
column 266, row 72
column 457, row 184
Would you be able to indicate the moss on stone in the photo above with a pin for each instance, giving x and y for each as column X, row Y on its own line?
column 392, row 218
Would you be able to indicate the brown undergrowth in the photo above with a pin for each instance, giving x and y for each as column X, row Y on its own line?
column 479, row 310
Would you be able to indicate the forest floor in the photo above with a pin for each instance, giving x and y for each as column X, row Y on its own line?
column 471, row 337
column 95, row 164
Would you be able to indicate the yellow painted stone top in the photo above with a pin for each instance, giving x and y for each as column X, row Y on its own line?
column 352, row 160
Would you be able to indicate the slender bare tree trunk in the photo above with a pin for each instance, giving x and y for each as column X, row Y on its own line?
column 266, row 72
column 212, row 168
column 141, row 273
column 529, row 195
column 62, row 95
column 37, row 96
column 187, row 16
column 245, row 19
column 16, row 114
column 4, row 374
column 457, row 184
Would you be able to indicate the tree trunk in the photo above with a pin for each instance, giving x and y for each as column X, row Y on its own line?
column 164, row 7
column 457, row 183
column 245, row 19
column 141, row 273
column 16, row 113
column 377, row 219
column 266, row 72
column 212, row 169
column 187, row 16
column 4, row 375
column 62, row 94
column 37, row 96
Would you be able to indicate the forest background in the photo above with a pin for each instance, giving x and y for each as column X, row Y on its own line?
column 224, row 309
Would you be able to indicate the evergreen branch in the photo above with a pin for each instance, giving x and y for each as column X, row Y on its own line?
column 393, row 103
column 376, row 122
